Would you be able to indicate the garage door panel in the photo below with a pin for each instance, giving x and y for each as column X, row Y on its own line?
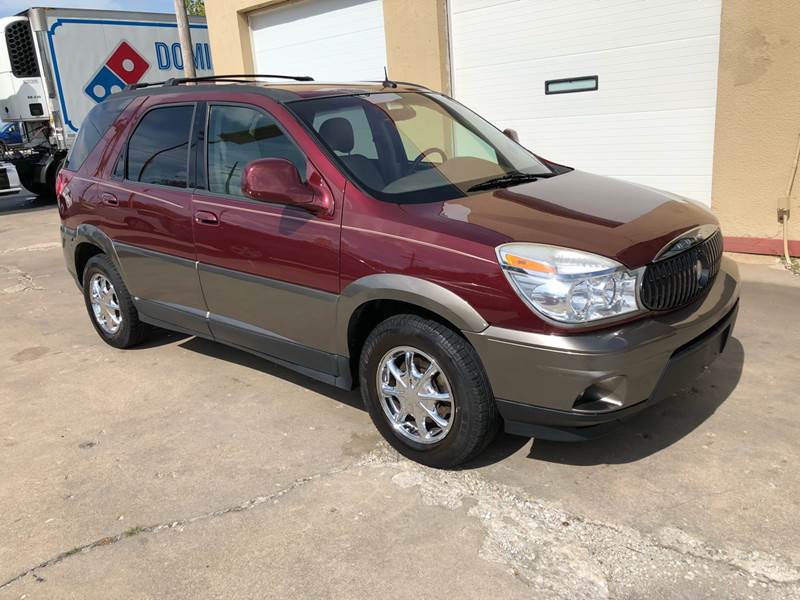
column 534, row 29
column 324, row 41
column 317, row 60
column 624, row 146
column 675, row 78
column 331, row 40
column 652, row 118
column 291, row 23
column 469, row 5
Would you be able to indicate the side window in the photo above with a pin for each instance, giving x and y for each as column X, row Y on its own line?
column 158, row 151
column 94, row 126
column 238, row 135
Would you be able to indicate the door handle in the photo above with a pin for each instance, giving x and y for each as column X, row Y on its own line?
column 204, row 217
column 110, row 199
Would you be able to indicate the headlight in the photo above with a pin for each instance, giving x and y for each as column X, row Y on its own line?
column 570, row 286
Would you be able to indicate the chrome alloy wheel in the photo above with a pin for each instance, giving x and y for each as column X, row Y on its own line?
column 105, row 303
column 415, row 395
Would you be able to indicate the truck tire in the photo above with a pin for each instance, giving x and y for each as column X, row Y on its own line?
column 28, row 182
column 36, row 188
column 427, row 392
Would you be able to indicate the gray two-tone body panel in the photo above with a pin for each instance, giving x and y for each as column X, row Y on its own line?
column 404, row 288
column 165, row 287
column 303, row 315
column 273, row 319
column 536, row 378
column 551, row 372
column 85, row 233
column 300, row 327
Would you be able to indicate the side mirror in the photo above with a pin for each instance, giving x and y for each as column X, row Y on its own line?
column 512, row 134
column 277, row 180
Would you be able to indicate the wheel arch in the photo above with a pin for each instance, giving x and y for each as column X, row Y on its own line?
column 90, row 241
column 84, row 251
column 366, row 302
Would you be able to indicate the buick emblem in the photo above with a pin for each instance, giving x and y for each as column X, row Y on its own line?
column 686, row 240
column 682, row 245
column 700, row 273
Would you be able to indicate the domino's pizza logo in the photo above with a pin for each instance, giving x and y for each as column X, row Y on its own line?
column 124, row 67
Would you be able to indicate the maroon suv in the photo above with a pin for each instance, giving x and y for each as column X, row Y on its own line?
column 385, row 236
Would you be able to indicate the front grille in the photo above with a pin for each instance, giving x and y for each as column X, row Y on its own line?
column 21, row 53
column 4, row 184
column 676, row 281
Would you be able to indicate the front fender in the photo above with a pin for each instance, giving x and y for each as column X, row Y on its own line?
column 404, row 288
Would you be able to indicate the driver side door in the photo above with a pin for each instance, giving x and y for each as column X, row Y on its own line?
column 269, row 272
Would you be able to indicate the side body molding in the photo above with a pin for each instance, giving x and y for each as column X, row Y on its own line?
column 404, row 288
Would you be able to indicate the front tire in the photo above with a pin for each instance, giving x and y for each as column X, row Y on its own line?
column 110, row 305
column 426, row 391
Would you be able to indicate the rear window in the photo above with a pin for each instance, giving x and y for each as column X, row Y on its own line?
column 95, row 125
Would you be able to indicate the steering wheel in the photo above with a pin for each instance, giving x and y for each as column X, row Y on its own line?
column 425, row 153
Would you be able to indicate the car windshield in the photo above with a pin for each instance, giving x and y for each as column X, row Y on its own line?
column 416, row 147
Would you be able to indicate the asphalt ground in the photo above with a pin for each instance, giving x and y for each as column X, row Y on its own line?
column 186, row 469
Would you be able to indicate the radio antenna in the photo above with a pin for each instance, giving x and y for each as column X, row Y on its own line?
column 387, row 83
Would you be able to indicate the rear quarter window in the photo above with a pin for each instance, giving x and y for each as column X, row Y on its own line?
column 95, row 125
column 158, row 150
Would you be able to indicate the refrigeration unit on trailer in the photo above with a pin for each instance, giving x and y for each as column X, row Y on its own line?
column 56, row 64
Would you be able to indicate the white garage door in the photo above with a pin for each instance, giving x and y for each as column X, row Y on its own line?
column 331, row 40
column 651, row 120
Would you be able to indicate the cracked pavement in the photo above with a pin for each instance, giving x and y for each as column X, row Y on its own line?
column 185, row 469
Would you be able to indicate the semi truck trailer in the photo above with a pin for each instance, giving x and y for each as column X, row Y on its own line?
column 57, row 63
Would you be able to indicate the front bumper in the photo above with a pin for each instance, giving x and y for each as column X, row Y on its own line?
column 541, row 382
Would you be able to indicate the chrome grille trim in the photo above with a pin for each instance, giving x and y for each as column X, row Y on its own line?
column 686, row 240
column 675, row 281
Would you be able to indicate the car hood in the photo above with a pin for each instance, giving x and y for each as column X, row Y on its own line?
column 625, row 221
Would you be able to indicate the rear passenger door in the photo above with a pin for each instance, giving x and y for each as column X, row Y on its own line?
column 151, row 190
column 269, row 272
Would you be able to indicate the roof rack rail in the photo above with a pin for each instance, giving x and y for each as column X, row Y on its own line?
column 138, row 86
column 237, row 78
column 419, row 85
column 397, row 82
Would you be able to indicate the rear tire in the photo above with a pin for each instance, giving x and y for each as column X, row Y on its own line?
column 110, row 305
column 456, row 430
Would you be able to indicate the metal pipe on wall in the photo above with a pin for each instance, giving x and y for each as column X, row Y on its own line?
column 784, row 211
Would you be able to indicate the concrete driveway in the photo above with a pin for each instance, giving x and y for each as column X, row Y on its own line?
column 184, row 469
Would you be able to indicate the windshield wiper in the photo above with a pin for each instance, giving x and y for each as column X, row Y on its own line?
column 507, row 180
